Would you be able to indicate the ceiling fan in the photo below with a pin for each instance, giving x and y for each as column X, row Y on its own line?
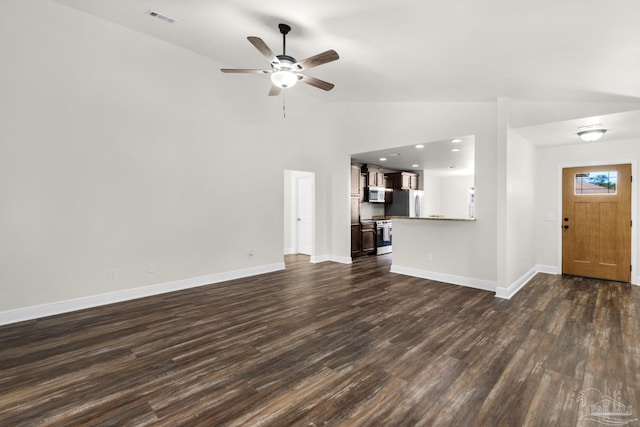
column 285, row 70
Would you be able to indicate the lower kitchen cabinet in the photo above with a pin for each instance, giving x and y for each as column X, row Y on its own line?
column 368, row 234
column 356, row 240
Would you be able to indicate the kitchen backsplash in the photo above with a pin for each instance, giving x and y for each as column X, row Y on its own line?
column 369, row 210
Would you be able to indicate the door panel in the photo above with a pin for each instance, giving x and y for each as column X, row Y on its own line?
column 304, row 215
column 596, row 226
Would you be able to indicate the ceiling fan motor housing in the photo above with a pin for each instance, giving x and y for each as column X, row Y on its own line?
column 286, row 60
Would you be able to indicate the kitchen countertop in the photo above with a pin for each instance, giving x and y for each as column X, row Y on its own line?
column 433, row 218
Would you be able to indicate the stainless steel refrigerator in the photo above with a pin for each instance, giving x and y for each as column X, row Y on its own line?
column 405, row 203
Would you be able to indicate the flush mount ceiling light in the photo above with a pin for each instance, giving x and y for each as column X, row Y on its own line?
column 456, row 149
column 420, row 146
column 383, row 159
column 456, row 140
column 591, row 133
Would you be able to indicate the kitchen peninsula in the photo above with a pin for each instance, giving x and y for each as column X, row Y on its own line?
column 432, row 218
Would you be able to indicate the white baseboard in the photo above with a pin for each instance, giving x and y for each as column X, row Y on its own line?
column 470, row 282
column 549, row 269
column 34, row 312
column 512, row 289
column 329, row 257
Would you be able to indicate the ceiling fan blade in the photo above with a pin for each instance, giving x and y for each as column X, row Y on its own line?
column 319, row 59
column 244, row 70
column 320, row 84
column 264, row 49
column 275, row 90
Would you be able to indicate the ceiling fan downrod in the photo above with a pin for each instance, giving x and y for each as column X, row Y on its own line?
column 284, row 30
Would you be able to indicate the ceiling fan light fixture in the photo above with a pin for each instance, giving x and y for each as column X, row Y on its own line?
column 284, row 78
column 591, row 135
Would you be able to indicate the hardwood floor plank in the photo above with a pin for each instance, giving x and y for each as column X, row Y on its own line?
column 328, row 345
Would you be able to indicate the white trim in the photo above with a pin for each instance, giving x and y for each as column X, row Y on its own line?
column 329, row 257
column 469, row 282
column 549, row 269
column 512, row 289
column 34, row 312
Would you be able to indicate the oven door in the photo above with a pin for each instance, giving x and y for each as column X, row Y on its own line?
column 383, row 238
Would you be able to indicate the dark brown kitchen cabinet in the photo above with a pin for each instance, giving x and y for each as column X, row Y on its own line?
column 375, row 176
column 388, row 185
column 363, row 186
column 355, row 210
column 404, row 180
column 368, row 236
column 356, row 188
column 356, row 240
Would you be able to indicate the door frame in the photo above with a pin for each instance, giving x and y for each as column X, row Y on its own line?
column 634, row 210
column 291, row 178
column 296, row 203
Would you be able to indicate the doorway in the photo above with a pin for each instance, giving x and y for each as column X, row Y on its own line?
column 596, row 221
column 299, row 212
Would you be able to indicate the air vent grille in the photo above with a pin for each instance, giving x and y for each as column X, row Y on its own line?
column 161, row 16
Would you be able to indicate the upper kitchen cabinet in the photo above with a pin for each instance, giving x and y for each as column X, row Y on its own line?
column 363, row 186
column 356, row 189
column 375, row 176
column 388, row 184
column 404, row 180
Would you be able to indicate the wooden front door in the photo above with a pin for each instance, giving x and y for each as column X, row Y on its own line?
column 596, row 222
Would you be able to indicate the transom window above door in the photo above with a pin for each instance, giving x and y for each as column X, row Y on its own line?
column 589, row 183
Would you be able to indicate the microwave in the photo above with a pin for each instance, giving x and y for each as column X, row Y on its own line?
column 376, row 194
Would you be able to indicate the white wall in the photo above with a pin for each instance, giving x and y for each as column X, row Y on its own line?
column 117, row 150
column 549, row 162
column 520, row 186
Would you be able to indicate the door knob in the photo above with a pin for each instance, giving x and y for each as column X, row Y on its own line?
column 566, row 227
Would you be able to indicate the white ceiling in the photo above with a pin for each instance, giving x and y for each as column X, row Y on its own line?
column 585, row 51
column 408, row 50
column 435, row 157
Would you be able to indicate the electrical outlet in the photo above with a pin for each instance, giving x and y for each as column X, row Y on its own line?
column 113, row 274
column 152, row 267
column 251, row 252
column 429, row 256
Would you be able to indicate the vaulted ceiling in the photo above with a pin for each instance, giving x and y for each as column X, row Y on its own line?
column 407, row 50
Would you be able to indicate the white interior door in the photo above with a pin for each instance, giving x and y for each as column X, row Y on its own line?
column 304, row 213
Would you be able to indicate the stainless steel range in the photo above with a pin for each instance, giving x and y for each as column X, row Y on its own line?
column 383, row 236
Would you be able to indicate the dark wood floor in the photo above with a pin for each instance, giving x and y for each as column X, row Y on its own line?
column 330, row 345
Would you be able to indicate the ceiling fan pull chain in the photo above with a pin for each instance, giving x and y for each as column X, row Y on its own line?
column 284, row 109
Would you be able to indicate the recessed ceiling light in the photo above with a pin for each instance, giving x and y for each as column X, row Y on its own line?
column 420, row 146
column 456, row 149
column 456, row 140
column 383, row 159
column 415, row 166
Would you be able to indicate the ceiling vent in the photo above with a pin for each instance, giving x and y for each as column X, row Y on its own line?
column 161, row 16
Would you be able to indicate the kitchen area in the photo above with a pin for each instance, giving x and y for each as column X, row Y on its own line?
column 376, row 195
column 430, row 181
